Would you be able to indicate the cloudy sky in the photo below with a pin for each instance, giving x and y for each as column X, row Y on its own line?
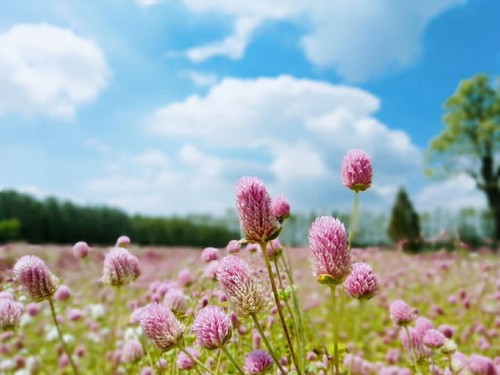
column 159, row 107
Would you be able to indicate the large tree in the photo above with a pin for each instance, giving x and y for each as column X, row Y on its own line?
column 470, row 141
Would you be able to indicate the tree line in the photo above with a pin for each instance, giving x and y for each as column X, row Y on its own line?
column 25, row 218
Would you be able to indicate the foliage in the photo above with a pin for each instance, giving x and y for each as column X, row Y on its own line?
column 53, row 221
column 470, row 142
column 404, row 224
column 9, row 230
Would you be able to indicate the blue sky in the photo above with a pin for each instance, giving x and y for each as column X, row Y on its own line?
column 159, row 107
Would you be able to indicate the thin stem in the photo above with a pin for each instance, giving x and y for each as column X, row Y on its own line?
column 219, row 357
column 450, row 364
column 194, row 359
column 412, row 354
column 289, row 309
column 354, row 219
column 226, row 352
column 278, row 305
column 266, row 342
column 65, row 347
column 335, row 331
column 117, row 312
column 298, row 313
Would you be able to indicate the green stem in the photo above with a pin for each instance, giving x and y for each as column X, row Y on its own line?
column 194, row 359
column 117, row 312
column 219, row 357
column 298, row 313
column 335, row 331
column 263, row 247
column 354, row 219
column 65, row 347
column 300, row 347
column 412, row 354
column 266, row 342
column 226, row 352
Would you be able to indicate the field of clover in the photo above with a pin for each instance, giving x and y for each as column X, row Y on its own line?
column 253, row 307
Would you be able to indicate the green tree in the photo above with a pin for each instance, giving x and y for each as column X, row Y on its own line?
column 404, row 224
column 470, row 141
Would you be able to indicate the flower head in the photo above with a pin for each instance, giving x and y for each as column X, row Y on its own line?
column 242, row 289
column 433, row 338
column 233, row 247
column 361, row 282
column 132, row 351
column 481, row 365
column 10, row 313
column 81, row 249
column 401, row 313
column 280, row 208
column 161, row 326
column 120, row 267
column 123, row 241
column 184, row 362
column 357, row 170
column 212, row 327
column 35, row 277
column 253, row 204
column 258, row 362
column 209, row 254
column 331, row 261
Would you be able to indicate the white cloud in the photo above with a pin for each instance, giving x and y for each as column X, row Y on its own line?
column 48, row 70
column 292, row 133
column 456, row 192
column 360, row 39
column 295, row 131
column 233, row 46
column 201, row 79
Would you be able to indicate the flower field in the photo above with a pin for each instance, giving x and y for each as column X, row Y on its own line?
column 253, row 307
column 457, row 294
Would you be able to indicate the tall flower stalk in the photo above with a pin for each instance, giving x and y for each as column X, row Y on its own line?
column 259, row 225
column 41, row 284
column 357, row 174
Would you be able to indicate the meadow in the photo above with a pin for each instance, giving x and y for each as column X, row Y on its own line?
column 252, row 307
column 459, row 293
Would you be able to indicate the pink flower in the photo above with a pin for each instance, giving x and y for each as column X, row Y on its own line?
column 120, row 267
column 242, row 289
column 233, row 247
column 132, row 351
column 184, row 362
column 10, row 313
column 253, row 204
column 258, row 362
column 35, row 277
column 331, row 261
column 63, row 293
column 209, row 254
column 414, row 344
column 401, row 313
column 433, row 338
column 212, row 327
column 123, row 241
column 161, row 326
column 361, row 283
column 357, row 170
column 176, row 300
column 422, row 325
column 185, row 278
column 481, row 365
column 81, row 249
column 274, row 248
column 280, row 208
